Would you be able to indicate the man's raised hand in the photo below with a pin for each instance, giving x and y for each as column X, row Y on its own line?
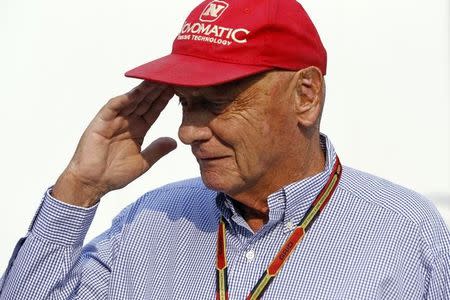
column 109, row 154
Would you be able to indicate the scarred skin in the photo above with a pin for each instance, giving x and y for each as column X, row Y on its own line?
column 250, row 137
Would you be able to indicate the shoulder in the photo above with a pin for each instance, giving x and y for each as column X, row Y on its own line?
column 397, row 206
column 189, row 199
column 178, row 195
column 187, row 186
column 387, row 195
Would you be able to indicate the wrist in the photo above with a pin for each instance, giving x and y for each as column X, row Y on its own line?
column 71, row 190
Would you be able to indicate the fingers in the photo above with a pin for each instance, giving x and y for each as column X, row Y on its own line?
column 142, row 108
column 149, row 92
column 156, row 150
column 157, row 106
column 144, row 105
column 127, row 103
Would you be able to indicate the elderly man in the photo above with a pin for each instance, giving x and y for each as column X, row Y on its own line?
column 274, row 215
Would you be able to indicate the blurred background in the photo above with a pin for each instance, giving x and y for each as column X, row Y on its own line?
column 387, row 109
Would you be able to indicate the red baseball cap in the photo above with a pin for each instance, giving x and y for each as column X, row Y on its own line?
column 224, row 40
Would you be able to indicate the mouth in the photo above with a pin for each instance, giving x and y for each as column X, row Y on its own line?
column 207, row 155
column 209, row 158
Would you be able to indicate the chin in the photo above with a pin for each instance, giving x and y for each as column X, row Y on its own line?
column 215, row 184
column 218, row 182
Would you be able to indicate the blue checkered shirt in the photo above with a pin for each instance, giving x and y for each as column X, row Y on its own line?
column 374, row 240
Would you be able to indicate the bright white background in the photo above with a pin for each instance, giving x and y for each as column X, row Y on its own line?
column 387, row 107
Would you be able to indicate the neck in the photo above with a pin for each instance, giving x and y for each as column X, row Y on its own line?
column 253, row 206
column 255, row 217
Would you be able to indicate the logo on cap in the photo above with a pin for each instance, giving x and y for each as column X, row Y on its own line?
column 213, row 11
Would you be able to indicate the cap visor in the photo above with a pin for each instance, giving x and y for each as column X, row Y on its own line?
column 178, row 69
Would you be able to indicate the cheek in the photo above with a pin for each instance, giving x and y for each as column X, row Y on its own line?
column 249, row 134
column 244, row 134
column 266, row 142
column 251, row 146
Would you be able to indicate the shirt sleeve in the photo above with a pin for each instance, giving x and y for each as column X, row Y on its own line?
column 437, row 235
column 51, row 262
column 439, row 287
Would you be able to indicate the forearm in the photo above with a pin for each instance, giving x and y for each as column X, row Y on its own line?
column 50, row 262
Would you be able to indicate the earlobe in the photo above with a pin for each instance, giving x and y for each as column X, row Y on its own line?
column 308, row 96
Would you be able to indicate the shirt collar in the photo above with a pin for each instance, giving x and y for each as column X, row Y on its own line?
column 290, row 203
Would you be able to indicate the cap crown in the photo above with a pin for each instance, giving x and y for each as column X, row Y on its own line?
column 272, row 33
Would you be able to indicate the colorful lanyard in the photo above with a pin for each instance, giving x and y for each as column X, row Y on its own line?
column 286, row 250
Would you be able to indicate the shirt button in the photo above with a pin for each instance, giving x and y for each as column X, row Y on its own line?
column 250, row 255
column 290, row 225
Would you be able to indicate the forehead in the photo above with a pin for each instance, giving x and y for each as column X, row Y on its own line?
column 229, row 89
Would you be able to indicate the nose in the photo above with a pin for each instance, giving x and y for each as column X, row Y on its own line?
column 194, row 128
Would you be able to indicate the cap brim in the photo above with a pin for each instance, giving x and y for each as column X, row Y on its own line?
column 178, row 69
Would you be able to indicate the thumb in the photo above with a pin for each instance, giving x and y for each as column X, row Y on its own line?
column 157, row 149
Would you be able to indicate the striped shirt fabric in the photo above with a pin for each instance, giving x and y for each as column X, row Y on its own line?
column 374, row 240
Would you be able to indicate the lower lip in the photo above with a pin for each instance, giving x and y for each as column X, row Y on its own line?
column 211, row 159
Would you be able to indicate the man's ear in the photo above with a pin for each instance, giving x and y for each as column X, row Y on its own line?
column 309, row 96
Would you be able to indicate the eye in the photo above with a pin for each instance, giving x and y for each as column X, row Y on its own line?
column 215, row 107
